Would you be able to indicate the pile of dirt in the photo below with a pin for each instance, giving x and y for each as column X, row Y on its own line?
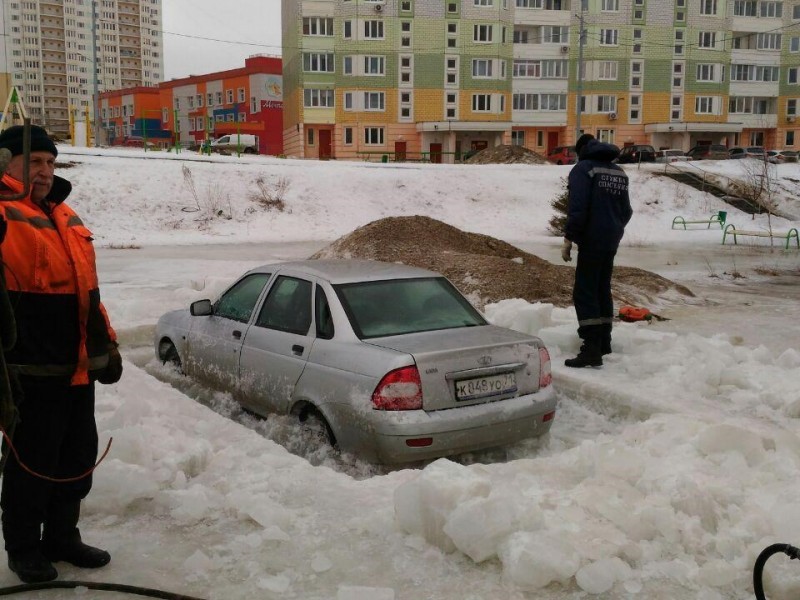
column 507, row 155
column 482, row 267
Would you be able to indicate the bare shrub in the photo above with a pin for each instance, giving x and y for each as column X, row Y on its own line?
column 211, row 204
column 271, row 195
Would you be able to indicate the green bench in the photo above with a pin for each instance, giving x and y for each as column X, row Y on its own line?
column 788, row 235
column 718, row 218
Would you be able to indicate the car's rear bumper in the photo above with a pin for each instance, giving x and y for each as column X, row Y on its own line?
column 394, row 436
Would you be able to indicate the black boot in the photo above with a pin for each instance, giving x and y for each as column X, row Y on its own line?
column 32, row 567
column 61, row 539
column 605, row 339
column 79, row 554
column 589, row 355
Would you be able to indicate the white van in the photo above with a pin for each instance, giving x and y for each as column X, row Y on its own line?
column 245, row 142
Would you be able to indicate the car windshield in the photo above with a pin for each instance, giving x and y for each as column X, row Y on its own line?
column 400, row 306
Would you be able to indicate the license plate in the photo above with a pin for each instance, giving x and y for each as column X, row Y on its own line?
column 480, row 387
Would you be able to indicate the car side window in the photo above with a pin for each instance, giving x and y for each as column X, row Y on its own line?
column 288, row 306
column 239, row 301
column 322, row 312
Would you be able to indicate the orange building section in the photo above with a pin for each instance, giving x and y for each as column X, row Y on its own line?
column 191, row 110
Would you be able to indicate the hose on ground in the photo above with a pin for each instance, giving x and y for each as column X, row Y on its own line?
column 762, row 559
column 94, row 585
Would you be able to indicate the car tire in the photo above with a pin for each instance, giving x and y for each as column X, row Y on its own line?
column 169, row 355
column 559, row 163
column 315, row 425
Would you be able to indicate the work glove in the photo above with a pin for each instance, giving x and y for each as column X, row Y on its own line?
column 566, row 250
column 113, row 370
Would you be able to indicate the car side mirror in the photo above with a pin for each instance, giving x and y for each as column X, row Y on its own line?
column 201, row 308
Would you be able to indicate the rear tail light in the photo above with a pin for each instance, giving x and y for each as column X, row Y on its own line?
column 400, row 389
column 545, row 374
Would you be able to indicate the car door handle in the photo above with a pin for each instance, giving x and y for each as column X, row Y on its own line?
column 298, row 350
column 237, row 334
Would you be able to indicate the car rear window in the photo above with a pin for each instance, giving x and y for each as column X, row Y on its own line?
column 718, row 148
column 400, row 306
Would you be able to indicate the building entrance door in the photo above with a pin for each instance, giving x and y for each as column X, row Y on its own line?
column 400, row 151
column 324, row 144
column 552, row 140
column 436, row 153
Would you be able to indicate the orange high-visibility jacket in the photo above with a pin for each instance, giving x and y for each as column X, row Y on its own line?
column 50, row 271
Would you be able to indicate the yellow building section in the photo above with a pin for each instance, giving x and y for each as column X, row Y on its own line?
column 467, row 114
column 655, row 106
column 319, row 116
column 358, row 114
column 292, row 107
column 689, row 113
column 429, row 104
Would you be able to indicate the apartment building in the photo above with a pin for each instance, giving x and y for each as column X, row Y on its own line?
column 190, row 110
column 48, row 53
column 418, row 78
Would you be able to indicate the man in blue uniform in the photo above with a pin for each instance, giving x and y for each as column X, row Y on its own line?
column 599, row 208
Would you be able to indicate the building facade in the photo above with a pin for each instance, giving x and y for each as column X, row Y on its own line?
column 52, row 45
column 197, row 108
column 414, row 78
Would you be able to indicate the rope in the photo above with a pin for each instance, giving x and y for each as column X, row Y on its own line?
column 45, row 477
column 93, row 585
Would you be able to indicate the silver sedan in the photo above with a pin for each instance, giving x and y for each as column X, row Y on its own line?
column 392, row 362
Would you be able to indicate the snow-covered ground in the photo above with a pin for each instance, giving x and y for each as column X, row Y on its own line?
column 664, row 475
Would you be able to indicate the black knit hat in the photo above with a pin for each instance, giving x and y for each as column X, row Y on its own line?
column 582, row 141
column 11, row 138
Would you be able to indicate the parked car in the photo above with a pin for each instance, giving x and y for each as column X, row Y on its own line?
column 246, row 143
column 776, row 157
column 671, row 155
column 747, row 152
column 708, row 152
column 563, row 155
column 390, row 361
column 637, row 153
column 790, row 155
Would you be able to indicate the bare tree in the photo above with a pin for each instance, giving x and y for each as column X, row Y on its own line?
column 758, row 186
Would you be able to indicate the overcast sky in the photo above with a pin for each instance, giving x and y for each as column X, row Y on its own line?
column 243, row 28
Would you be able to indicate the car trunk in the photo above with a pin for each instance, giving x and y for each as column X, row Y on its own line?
column 470, row 365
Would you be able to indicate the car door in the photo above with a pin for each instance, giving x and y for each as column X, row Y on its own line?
column 214, row 341
column 277, row 345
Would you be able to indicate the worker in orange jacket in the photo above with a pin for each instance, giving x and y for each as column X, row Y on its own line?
column 64, row 343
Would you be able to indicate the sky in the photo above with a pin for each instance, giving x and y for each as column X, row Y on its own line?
column 242, row 28
column 665, row 473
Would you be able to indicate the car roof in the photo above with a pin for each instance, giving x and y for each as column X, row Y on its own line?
column 348, row 270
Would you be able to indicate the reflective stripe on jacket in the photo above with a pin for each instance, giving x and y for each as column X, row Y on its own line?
column 49, row 261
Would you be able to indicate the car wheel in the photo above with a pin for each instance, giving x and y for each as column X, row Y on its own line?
column 315, row 426
column 169, row 355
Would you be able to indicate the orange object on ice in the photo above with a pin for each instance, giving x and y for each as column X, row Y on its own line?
column 634, row 313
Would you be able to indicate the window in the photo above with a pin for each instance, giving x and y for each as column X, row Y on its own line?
column 374, row 65
column 517, row 138
column 229, row 96
column 740, row 104
column 405, row 5
column 318, row 26
column 794, row 44
column 287, row 307
column 373, row 136
column 482, row 33
column 348, row 100
column 796, row 12
column 238, row 302
column 607, row 70
column 347, row 31
column 705, row 105
column 744, row 8
column 348, row 136
column 609, row 5
column 769, row 41
column 706, row 72
column 374, row 101
column 606, row 103
column 636, row 74
column 482, row 67
column 609, row 37
column 708, row 7
column 771, row 9
column 791, row 107
column 481, row 102
column 605, row 135
column 635, row 113
column 314, row 98
column 310, row 136
column 637, row 41
column 708, row 39
column 483, row 2
column 373, row 30
column 527, row 68
column 789, row 138
column 792, row 78
column 318, row 63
